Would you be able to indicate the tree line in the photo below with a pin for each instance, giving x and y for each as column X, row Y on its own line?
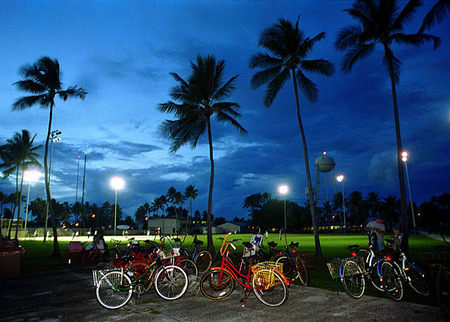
column 203, row 96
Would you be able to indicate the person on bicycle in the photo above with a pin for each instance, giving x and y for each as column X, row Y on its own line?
column 97, row 244
column 377, row 227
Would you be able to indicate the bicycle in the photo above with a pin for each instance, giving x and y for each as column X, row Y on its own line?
column 356, row 269
column 201, row 257
column 293, row 264
column 114, row 288
column 395, row 270
column 265, row 280
column 79, row 257
column 188, row 265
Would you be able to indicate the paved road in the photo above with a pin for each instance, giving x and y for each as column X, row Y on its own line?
column 69, row 296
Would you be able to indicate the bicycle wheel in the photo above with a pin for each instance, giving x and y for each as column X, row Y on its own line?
column 114, row 290
column 189, row 267
column 353, row 280
column 269, row 287
column 289, row 269
column 391, row 281
column 302, row 272
column 203, row 261
column 171, row 282
column 443, row 291
column 416, row 279
column 217, row 284
column 374, row 277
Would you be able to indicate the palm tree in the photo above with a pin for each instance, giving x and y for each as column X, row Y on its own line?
column 191, row 193
column 289, row 48
column 200, row 97
column 435, row 15
column 17, row 155
column 43, row 81
column 381, row 22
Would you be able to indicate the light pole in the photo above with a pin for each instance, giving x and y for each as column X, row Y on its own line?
column 30, row 176
column 340, row 178
column 55, row 138
column 117, row 183
column 283, row 190
column 404, row 159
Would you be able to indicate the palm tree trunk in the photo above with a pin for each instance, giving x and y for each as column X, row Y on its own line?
column 20, row 204
column 211, row 184
column 15, row 204
column 308, row 174
column 401, row 173
column 56, row 251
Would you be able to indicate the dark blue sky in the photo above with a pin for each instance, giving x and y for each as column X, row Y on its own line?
column 123, row 51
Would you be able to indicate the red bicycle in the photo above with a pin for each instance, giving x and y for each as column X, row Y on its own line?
column 265, row 279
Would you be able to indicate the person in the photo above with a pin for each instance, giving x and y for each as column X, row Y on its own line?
column 97, row 244
column 378, row 229
column 396, row 239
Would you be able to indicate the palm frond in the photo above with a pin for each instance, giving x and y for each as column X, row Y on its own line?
column 348, row 36
column 30, row 86
column 275, row 86
column 356, row 53
column 227, row 107
column 264, row 76
column 309, row 43
column 307, row 87
column 436, row 14
column 226, row 90
column 264, row 60
column 27, row 102
column 416, row 39
column 318, row 66
column 224, row 117
column 73, row 92
column 406, row 15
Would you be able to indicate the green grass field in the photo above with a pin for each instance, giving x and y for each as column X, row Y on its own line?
column 37, row 257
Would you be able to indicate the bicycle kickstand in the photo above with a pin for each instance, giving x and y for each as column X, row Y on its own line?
column 244, row 300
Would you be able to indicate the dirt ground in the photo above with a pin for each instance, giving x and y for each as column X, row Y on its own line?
column 69, row 296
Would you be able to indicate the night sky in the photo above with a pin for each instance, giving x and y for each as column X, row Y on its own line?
column 122, row 52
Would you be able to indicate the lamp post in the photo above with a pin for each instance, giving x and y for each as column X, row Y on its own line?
column 340, row 178
column 55, row 138
column 117, row 183
column 404, row 159
column 30, row 176
column 283, row 190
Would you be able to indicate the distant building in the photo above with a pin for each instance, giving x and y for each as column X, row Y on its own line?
column 231, row 227
column 167, row 226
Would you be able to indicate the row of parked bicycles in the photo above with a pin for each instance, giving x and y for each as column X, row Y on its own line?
column 170, row 267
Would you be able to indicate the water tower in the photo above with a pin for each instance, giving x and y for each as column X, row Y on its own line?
column 324, row 165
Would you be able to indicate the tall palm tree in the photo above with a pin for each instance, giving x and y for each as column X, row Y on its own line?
column 17, row 155
column 191, row 193
column 200, row 97
column 381, row 22
column 288, row 49
column 435, row 15
column 43, row 81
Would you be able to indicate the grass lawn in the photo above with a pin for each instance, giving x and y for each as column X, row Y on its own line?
column 37, row 257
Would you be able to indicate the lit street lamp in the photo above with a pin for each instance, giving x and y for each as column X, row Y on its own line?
column 340, row 178
column 404, row 159
column 283, row 190
column 30, row 176
column 117, row 183
column 55, row 138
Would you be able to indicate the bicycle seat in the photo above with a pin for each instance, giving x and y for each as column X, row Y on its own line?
column 247, row 244
column 294, row 244
column 198, row 243
column 272, row 244
column 353, row 248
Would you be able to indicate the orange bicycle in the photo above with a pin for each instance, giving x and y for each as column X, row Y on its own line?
column 265, row 279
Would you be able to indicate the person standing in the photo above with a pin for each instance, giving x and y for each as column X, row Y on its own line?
column 377, row 227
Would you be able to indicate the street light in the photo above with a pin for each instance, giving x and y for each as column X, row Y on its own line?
column 404, row 159
column 117, row 183
column 55, row 138
column 283, row 190
column 340, row 178
column 30, row 176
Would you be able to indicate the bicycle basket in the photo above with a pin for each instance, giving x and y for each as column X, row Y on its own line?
column 98, row 274
column 333, row 267
column 265, row 273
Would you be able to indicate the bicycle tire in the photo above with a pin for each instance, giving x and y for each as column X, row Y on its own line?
column 353, row 280
column 217, row 284
column 114, row 290
column 171, row 282
column 302, row 271
column 189, row 267
column 269, row 287
column 203, row 260
column 391, row 280
column 289, row 269
column 374, row 277
column 443, row 291
column 416, row 279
